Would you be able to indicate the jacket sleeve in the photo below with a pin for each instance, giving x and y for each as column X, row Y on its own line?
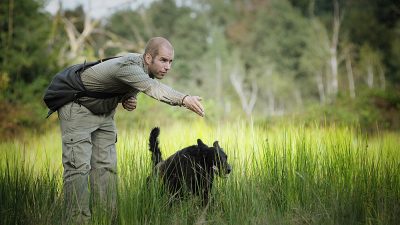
column 128, row 95
column 134, row 76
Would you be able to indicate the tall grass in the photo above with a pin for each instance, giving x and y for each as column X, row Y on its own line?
column 281, row 175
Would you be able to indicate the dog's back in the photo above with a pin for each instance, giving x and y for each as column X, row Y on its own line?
column 191, row 168
column 156, row 156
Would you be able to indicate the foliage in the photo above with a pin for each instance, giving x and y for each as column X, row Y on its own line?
column 373, row 110
column 24, row 59
column 284, row 47
column 28, row 56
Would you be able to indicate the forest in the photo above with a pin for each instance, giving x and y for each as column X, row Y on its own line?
column 302, row 95
column 330, row 61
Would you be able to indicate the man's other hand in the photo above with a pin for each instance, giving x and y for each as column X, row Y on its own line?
column 129, row 103
column 193, row 103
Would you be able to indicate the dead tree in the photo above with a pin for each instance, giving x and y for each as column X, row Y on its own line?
column 333, row 61
column 320, row 85
column 349, row 70
column 248, row 97
column 76, row 39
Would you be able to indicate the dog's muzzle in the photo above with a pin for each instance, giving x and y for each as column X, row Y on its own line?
column 225, row 172
column 228, row 169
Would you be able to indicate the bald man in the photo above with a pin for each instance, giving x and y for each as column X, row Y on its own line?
column 88, row 128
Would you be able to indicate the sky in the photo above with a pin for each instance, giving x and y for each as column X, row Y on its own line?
column 96, row 8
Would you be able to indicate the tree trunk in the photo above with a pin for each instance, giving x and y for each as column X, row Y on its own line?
column 248, row 102
column 218, row 83
column 10, row 23
column 382, row 78
column 271, row 103
column 299, row 99
column 333, row 50
column 370, row 76
column 350, row 77
column 76, row 39
column 320, row 86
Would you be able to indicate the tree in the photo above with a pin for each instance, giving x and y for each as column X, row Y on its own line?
column 247, row 95
column 371, row 67
column 127, row 30
column 26, row 53
column 78, row 26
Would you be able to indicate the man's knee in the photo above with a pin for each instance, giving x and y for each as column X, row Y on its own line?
column 104, row 153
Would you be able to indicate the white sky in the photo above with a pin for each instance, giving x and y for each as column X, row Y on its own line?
column 97, row 8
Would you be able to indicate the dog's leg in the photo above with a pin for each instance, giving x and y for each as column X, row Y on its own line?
column 206, row 197
column 207, row 187
column 202, row 218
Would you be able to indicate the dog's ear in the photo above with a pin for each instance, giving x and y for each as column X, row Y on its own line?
column 216, row 145
column 201, row 144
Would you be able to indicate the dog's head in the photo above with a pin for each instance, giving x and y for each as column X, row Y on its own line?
column 217, row 158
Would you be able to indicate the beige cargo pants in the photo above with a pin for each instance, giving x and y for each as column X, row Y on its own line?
column 89, row 160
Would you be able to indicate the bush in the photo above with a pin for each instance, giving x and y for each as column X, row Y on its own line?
column 371, row 110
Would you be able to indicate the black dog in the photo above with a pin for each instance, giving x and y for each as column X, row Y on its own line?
column 191, row 168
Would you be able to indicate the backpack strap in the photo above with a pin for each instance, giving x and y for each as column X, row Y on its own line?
column 94, row 94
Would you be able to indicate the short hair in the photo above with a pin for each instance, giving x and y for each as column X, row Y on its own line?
column 154, row 44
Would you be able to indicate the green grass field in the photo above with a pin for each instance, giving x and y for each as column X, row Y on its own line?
column 281, row 175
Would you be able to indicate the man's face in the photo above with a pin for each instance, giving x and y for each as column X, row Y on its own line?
column 161, row 63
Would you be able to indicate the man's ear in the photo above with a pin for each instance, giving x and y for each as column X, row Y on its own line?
column 148, row 58
column 201, row 144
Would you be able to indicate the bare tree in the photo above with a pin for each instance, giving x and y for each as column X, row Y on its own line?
column 323, row 55
column 248, row 97
column 218, row 80
column 349, row 70
column 333, row 61
column 320, row 86
column 76, row 40
column 116, row 41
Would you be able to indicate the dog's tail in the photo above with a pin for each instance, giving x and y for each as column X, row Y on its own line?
column 154, row 146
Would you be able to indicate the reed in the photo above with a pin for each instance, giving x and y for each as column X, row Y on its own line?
column 281, row 175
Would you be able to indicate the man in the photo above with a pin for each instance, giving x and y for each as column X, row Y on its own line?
column 88, row 127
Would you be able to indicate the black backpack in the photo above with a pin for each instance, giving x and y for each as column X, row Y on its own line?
column 67, row 86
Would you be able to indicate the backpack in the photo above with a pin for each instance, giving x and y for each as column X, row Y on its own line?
column 66, row 86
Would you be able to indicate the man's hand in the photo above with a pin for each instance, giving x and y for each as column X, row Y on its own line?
column 193, row 103
column 129, row 103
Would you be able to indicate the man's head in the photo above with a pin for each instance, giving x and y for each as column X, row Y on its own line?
column 158, row 57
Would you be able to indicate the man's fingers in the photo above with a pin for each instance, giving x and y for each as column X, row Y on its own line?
column 130, row 103
column 131, row 100
column 198, row 110
column 198, row 107
column 193, row 103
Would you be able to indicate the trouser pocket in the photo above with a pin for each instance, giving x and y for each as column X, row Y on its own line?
column 77, row 150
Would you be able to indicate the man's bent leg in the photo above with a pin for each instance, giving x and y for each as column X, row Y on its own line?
column 76, row 154
column 103, row 176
